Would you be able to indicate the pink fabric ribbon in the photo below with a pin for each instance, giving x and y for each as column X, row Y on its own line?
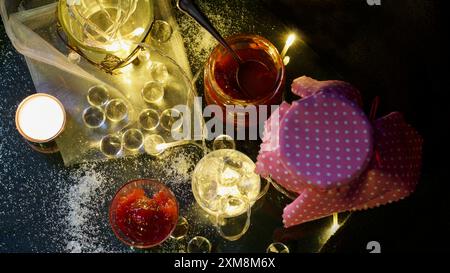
column 324, row 151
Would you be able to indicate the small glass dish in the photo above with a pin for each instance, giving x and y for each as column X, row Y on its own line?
column 111, row 146
column 171, row 120
column 143, row 213
column 161, row 31
column 98, row 95
column 153, row 92
column 94, row 117
column 133, row 140
column 116, row 110
column 149, row 119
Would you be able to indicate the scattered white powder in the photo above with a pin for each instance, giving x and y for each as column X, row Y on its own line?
column 180, row 165
column 85, row 203
column 82, row 203
column 49, row 208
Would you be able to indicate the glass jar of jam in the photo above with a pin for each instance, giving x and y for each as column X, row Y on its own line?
column 143, row 213
column 221, row 83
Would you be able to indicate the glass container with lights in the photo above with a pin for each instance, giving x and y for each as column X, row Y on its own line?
column 106, row 32
column 226, row 187
column 222, row 174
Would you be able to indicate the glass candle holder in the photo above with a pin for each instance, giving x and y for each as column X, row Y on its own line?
column 220, row 75
column 143, row 213
column 225, row 174
column 40, row 119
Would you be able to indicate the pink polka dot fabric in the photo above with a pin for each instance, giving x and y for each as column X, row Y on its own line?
column 379, row 164
column 305, row 87
column 325, row 140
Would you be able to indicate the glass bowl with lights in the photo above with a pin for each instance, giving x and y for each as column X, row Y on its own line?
column 143, row 213
column 105, row 32
column 226, row 186
column 226, row 175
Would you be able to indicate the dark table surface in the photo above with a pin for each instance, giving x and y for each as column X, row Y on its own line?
column 398, row 50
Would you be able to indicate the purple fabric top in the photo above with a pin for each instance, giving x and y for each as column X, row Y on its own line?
column 325, row 140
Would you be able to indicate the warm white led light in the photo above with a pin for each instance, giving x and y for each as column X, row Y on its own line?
column 335, row 227
column 138, row 31
column 290, row 40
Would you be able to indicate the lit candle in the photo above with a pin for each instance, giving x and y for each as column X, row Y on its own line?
column 40, row 119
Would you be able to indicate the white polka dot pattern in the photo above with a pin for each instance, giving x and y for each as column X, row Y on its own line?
column 313, row 145
column 334, row 142
column 392, row 177
column 305, row 87
column 271, row 135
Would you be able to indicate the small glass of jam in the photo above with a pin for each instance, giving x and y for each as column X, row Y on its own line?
column 143, row 213
column 222, row 86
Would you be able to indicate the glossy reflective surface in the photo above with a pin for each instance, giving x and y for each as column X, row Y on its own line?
column 27, row 231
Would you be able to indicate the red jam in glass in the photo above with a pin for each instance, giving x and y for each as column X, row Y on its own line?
column 258, row 74
column 264, row 80
column 144, row 220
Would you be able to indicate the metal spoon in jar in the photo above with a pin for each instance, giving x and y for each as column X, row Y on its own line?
column 246, row 69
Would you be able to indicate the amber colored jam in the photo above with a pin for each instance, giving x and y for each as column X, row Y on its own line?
column 146, row 221
column 258, row 74
column 258, row 80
